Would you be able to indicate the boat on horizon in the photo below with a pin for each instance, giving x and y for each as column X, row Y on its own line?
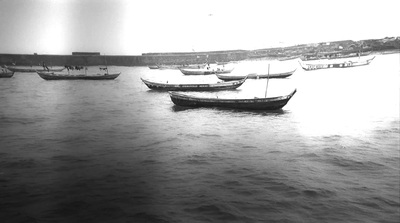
column 267, row 103
column 325, row 64
column 225, row 77
column 228, row 85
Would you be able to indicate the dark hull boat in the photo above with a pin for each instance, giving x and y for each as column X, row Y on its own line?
column 328, row 64
column 55, row 76
column 194, row 87
column 272, row 103
column 6, row 74
column 33, row 69
column 255, row 76
column 154, row 67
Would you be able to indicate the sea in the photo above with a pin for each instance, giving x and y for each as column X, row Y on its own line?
column 116, row 151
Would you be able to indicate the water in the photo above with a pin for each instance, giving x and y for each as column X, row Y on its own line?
column 115, row 151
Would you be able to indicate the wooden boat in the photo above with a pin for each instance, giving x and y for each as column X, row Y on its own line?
column 255, row 76
column 328, row 64
column 63, row 76
column 205, row 71
column 194, row 87
column 154, row 67
column 33, row 69
column 270, row 103
column 169, row 67
column 334, row 55
column 4, row 73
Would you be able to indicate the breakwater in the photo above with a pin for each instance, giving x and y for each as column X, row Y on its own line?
column 316, row 50
column 114, row 60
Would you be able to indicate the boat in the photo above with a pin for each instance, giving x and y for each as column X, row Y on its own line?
column 154, row 67
column 205, row 70
column 334, row 55
column 4, row 73
column 63, row 76
column 194, row 87
column 329, row 64
column 267, row 103
column 33, row 69
column 255, row 76
column 169, row 67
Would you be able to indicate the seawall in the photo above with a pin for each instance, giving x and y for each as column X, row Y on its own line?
column 140, row 60
column 146, row 59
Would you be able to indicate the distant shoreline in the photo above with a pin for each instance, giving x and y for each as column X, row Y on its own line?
column 379, row 46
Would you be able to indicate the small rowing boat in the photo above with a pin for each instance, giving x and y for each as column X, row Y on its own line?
column 4, row 73
column 33, row 69
column 255, row 75
column 62, row 76
column 341, row 64
column 267, row 103
column 205, row 70
column 194, row 87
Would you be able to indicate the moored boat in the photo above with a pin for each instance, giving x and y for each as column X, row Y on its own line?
column 194, row 87
column 154, row 67
column 33, row 69
column 268, row 103
column 4, row 73
column 63, row 76
column 341, row 64
column 255, row 75
column 333, row 55
column 205, row 70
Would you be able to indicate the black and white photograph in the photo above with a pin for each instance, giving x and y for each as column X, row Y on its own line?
column 199, row 111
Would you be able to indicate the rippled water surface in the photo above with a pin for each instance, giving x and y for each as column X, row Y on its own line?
column 116, row 151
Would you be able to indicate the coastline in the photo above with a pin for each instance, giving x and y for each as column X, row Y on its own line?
column 380, row 46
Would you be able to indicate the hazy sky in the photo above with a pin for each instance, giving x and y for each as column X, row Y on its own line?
column 130, row 27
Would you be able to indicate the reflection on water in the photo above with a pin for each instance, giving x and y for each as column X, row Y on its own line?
column 92, row 151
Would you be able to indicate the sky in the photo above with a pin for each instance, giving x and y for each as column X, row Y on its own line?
column 133, row 27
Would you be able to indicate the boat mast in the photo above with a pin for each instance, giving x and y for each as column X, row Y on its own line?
column 267, row 82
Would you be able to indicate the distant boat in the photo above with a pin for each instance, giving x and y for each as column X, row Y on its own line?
column 333, row 55
column 194, row 87
column 267, row 103
column 324, row 64
column 154, row 67
column 255, row 76
column 4, row 73
column 33, row 69
column 205, row 70
column 63, row 76
column 169, row 67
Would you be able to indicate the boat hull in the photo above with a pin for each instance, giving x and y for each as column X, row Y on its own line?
column 255, row 76
column 273, row 103
column 53, row 76
column 345, row 64
column 33, row 70
column 194, row 71
column 194, row 87
column 6, row 74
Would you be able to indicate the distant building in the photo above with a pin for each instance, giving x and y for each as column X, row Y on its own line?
column 86, row 53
